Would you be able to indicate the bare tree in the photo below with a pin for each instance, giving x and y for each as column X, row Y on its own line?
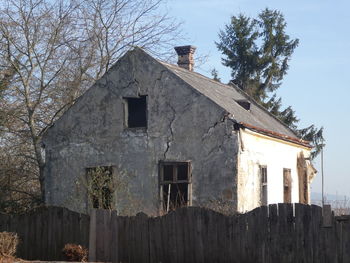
column 52, row 51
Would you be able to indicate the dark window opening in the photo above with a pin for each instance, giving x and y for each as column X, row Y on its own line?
column 137, row 112
column 168, row 172
column 287, row 186
column 182, row 172
column 175, row 196
column 244, row 104
column 175, row 180
column 263, row 182
column 101, row 186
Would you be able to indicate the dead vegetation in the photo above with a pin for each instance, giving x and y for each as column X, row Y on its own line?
column 8, row 246
column 76, row 253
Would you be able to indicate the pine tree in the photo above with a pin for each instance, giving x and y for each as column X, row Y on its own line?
column 215, row 75
column 258, row 52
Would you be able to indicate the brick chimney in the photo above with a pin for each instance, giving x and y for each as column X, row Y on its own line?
column 185, row 56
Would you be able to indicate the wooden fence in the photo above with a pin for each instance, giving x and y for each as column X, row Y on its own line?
column 278, row 233
column 44, row 232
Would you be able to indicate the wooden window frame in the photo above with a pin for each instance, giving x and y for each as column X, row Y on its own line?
column 163, row 182
column 263, row 184
column 126, row 113
column 287, row 183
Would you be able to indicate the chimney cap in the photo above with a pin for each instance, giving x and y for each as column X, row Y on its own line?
column 185, row 50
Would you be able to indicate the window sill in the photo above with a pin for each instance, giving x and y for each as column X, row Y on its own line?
column 139, row 130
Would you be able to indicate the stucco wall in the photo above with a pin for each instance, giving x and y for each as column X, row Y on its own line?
column 182, row 125
column 255, row 150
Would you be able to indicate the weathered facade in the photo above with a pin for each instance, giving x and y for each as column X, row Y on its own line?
column 168, row 133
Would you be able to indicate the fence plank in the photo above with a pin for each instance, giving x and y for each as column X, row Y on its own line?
column 344, row 223
column 198, row 234
column 92, row 236
column 273, row 239
column 114, row 238
column 316, row 222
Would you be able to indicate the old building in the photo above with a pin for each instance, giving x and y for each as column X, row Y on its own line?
column 152, row 136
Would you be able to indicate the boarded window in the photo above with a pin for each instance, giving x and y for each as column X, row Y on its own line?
column 101, row 186
column 263, row 182
column 175, row 182
column 287, row 186
column 136, row 112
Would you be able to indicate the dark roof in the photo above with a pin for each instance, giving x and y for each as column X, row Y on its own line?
column 257, row 118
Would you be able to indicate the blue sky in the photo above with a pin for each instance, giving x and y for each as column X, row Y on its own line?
column 317, row 84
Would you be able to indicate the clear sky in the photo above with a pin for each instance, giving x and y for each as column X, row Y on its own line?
column 317, row 84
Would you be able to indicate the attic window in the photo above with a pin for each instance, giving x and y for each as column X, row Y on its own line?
column 136, row 112
column 244, row 104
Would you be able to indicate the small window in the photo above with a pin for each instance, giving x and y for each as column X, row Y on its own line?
column 101, row 186
column 287, row 186
column 136, row 112
column 263, row 182
column 245, row 104
column 175, row 182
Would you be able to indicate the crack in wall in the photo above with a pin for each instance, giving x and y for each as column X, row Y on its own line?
column 171, row 137
column 211, row 128
column 160, row 76
column 219, row 147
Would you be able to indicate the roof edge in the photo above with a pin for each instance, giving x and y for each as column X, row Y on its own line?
column 277, row 135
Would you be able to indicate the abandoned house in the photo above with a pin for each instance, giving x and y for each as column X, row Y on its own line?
column 151, row 136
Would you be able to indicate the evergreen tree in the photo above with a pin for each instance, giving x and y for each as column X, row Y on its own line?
column 215, row 75
column 258, row 51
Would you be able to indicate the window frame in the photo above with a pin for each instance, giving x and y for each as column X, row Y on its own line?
column 163, row 182
column 287, row 182
column 126, row 113
column 263, row 178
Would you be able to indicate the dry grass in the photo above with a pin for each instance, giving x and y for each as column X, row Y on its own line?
column 8, row 246
column 74, row 252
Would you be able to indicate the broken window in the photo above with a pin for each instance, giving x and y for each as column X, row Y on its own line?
column 101, row 186
column 263, row 182
column 175, row 182
column 136, row 112
column 287, row 186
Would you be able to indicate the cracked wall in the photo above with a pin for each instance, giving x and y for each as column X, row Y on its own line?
column 183, row 125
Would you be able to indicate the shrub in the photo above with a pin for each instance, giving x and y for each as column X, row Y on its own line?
column 8, row 244
column 74, row 252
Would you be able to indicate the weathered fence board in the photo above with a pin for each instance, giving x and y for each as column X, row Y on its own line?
column 278, row 233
